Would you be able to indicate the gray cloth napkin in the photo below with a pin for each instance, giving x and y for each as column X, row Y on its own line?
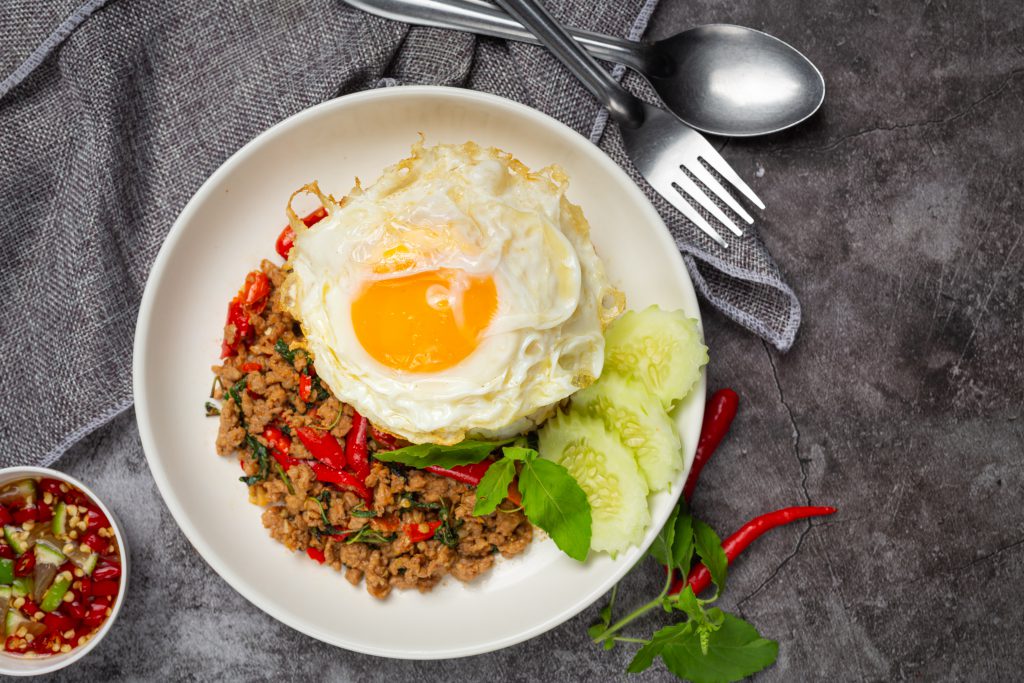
column 113, row 112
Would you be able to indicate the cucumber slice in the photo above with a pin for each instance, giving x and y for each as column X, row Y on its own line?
column 641, row 423
column 6, row 572
column 48, row 554
column 60, row 520
column 607, row 473
column 55, row 593
column 22, row 586
column 661, row 349
column 16, row 538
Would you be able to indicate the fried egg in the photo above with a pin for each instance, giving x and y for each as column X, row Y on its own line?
column 457, row 296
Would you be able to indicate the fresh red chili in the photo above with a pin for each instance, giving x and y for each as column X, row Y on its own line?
column 5, row 515
column 107, row 571
column 6, row 552
column 286, row 240
column 250, row 367
column 305, row 387
column 316, row 554
column 44, row 513
column 96, row 612
column 45, row 643
column 700, row 578
column 58, row 623
column 16, row 644
column 356, row 454
column 24, row 565
column 94, row 519
column 85, row 586
column 30, row 607
column 29, row 513
column 256, row 290
column 75, row 609
column 718, row 415
column 106, row 589
column 467, row 474
column 277, row 440
column 383, row 439
column 343, row 480
column 51, row 486
column 322, row 446
column 95, row 541
column 422, row 531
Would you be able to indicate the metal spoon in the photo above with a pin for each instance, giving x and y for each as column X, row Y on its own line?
column 720, row 79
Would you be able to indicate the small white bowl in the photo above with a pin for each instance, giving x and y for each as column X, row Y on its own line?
column 16, row 665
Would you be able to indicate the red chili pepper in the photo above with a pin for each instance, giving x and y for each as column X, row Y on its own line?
column 356, row 454
column 29, row 513
column 467, row 474
column 107, row 589
column 322, row 446
column 44, row 644
column 422, row 531
column 277, row 440
column 16, row 644
column 343, row 480
column 95, row 541
column 316, row 554
column 6, row 551
column 107, row 571
column 94, row 519
column 51, row 486
column 239, row 317
column 286, row 240
column 305, row 387
column 718, row 415
column 256, row 290
column 700, row 578
column 343, row 536
column 5, row 515
column 45, row 512
column 25, row 564
column 30, row 607
column 250, row 367
column 59, row 623
column 383, row 439
column 85, row 585
column 75, row 609
column 95, row 613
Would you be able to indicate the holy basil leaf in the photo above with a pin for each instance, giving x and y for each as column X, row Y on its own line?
column 734, row 651
column 687, row 602
column 661, row 549
column 555, row 502
column 519, row 453
column 421, row 455
column 709, row 547
column 682, row 542
column 493, row 487
column 656, row 645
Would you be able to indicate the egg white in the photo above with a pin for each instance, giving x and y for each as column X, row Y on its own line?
column 480, row 211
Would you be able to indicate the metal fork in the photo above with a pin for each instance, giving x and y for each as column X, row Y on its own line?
column 664, row 149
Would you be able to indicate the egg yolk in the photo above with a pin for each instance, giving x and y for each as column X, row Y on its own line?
column 425, row 322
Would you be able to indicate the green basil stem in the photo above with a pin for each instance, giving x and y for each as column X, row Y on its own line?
column 643, row 609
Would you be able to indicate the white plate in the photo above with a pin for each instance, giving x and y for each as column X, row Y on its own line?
column 230, row 225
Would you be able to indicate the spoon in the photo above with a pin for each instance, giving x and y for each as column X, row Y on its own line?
column 720, row 79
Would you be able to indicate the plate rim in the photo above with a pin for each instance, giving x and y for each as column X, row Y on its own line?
column 143, row 322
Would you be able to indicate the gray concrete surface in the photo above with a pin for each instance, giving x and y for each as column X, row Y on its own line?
column 896, row 214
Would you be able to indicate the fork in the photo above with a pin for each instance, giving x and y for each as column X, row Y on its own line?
column 666, row 151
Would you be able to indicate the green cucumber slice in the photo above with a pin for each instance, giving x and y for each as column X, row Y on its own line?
column 661, row 349
column 19, row 493
column 16, row 538
column 607, row 473
column 22, row 586
column 641, row 423
column 60, row 520
column 6, row 572
column 55, row 593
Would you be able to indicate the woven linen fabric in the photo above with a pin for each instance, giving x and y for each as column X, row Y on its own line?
column 113, row 113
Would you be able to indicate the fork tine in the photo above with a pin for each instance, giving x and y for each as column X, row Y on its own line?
column 675, row 199
column 716, row 162
column 712, row 184
column 691, row 188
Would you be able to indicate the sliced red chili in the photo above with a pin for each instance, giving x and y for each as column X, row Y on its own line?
column 285, row 242
column 51, row 486
column 30, row 607
column 718, row 416
column 277, row 440
column 94, row 519
column 16, row 644
column 95, row 541
column 24, row 565
column 305, row 387
column 343, row 480
column 96, row 612
column 47, row 644
column 44, row 513
column 29, row 513
column 75, row 609
column 250, row 367
column 6, row 551
column 384, row 440
column 59, row 623
column 322, row 446
column 700, row 578
column 422, row 531
column 316, row 554
column 467, row 474
column 106, row 571
column 85, row 585
column 356, row 452
column 107, row 589
column 5, row 515
column 256, row 290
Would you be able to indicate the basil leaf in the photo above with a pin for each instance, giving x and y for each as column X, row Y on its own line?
column 423, row 454
column 493, row 488
column 645, row 655
column 555, row 502
column 682, row 542
column 734, row 651
column 686, row 601
column 519, row 453
column 709, row 547
column 661, row 549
